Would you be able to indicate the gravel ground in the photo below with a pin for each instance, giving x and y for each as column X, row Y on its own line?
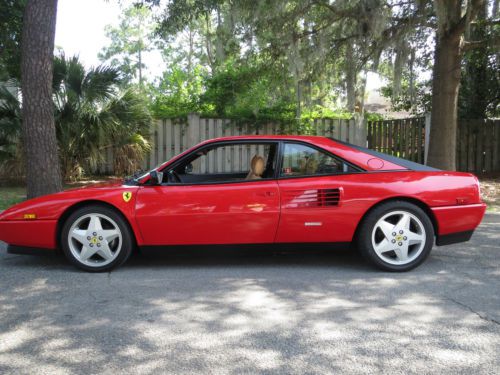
column 236, row 313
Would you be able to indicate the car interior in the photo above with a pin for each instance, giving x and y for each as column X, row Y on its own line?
column 227, row 162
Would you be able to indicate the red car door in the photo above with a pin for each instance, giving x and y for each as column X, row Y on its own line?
column 240, row 212
column 314, row 204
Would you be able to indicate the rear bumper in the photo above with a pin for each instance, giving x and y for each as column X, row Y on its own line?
column 457, row 223
column 29, row 233
column 448, row 239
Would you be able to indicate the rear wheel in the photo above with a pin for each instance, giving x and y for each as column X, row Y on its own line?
column 396, row 236
column 96, row 239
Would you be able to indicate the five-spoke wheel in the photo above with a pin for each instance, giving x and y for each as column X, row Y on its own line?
column 96, row 238
column 396, row 236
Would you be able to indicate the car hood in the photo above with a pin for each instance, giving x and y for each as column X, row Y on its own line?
column 103, row 184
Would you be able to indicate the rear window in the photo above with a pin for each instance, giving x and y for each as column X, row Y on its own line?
column 393, row 159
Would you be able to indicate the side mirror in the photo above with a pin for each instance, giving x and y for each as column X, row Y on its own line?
column 189, row 168
column 156, row 177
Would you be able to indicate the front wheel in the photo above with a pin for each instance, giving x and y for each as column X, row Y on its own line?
column 396, row 236
column 96, row 239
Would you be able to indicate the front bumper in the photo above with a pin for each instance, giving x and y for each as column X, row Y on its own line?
column 29, row 233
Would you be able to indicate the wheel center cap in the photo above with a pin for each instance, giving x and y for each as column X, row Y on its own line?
column 93, row 240
column 399, row 238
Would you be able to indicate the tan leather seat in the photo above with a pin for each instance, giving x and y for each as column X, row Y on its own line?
column 257, row 167
column 308, row 166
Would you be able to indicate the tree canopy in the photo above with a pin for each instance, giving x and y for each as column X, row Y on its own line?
column 262, row 60
column 129, row 41
column 310, row 53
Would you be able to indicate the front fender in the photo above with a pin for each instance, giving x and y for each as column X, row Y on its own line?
column 35, row 222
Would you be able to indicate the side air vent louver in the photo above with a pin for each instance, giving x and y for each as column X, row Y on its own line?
column 313, row 198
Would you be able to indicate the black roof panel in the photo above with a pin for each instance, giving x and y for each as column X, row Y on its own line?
column 393, row 159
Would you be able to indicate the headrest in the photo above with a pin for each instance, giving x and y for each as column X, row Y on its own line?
column 311, row 166
column 308, row 166
column 258, row 165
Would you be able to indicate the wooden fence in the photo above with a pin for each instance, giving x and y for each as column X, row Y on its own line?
column 170, row 136
column 404, row 138
column 478, row 141
column 478, row 146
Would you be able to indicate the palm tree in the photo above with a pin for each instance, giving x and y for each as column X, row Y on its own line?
column 11, row 160
column 93, row 114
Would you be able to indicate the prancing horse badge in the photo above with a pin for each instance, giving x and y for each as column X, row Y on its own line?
column 127, row 196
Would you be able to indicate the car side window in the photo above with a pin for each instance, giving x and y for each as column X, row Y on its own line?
column 302, row 160
column 227, row 163
column 232, row 158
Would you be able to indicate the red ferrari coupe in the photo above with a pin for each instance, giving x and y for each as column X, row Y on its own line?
column 257, row 190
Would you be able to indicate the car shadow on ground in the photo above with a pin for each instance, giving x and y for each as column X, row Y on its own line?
column 244, row 257
column 213, row 256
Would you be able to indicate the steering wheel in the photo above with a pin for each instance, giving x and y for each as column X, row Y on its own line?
column 175, row 175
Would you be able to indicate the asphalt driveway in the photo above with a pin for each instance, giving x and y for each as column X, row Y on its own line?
column 235, row 313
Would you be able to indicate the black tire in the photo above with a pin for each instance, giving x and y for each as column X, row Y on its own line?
column 364, row 235
column 127, row 241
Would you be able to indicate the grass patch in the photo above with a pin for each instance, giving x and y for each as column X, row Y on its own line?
column 10, row 196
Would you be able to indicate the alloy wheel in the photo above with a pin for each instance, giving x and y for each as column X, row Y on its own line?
column 398, row 237
column 95, row 240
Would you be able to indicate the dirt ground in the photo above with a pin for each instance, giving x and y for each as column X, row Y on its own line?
column 490, row 191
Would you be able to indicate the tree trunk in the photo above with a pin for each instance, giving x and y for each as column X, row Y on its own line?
column 350, row 79
column 474, row 90
column 452, row 24
column 446, row 82
column 43, row 174
column 208, row 44
column 190, row 52
column 298, row 110
column 140, row 66
column 399, row 64
column 220, row 53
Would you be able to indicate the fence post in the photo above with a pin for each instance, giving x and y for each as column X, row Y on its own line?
column 360, row 135
column 150, row 160
column 363, row 132
column 193, row 130
column 427, row 135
